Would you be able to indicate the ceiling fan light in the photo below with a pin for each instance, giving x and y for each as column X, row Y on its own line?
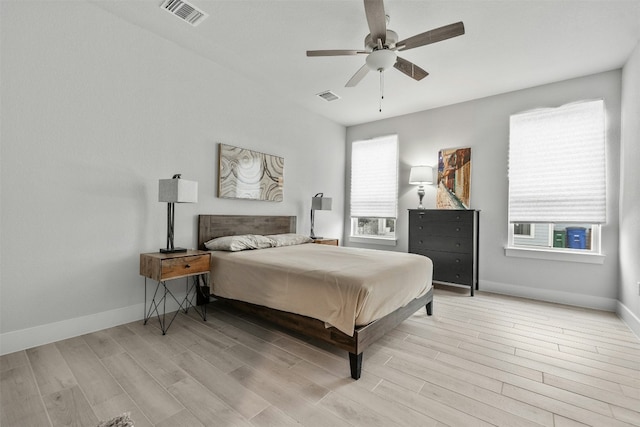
column 381, row 59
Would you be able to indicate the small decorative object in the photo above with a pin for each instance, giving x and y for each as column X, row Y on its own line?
column 171, row 191
column 454, row 178
column 123, row 420
column 420, row 176
column 247, row 174
column 318, row 203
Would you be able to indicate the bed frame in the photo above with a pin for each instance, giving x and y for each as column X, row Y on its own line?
column 211, row 226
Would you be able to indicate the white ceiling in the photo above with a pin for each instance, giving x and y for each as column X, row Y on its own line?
column 508, row 45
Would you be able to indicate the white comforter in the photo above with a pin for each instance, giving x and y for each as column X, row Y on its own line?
column 341, row 286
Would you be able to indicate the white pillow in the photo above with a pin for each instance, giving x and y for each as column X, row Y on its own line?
column 240, row 242
column 289, row 239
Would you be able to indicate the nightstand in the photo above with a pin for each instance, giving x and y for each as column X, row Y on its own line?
column 332, row 242
column 162, row 267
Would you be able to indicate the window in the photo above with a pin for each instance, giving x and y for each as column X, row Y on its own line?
column 524, row 230
column 557, row 236
column 557, row 178
column 374, row 227
column 374, row 187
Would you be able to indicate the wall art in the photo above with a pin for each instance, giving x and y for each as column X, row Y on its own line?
column 454, row 178
column 247, row 174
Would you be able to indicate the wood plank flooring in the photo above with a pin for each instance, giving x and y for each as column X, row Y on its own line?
column 489, row 360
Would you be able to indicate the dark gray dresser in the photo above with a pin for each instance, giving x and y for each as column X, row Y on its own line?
column 450, row 239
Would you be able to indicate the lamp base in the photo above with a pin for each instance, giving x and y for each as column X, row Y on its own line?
column 172, row 251
column 420, row 195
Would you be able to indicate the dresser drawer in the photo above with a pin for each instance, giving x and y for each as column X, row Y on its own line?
column 184, row 266
column 459, row 244
column 451, row 267
column 422, row 228
column 441, row 216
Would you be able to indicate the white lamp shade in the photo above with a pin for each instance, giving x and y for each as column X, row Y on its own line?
column 177, row 191
column 321, row 203
column 421, row 175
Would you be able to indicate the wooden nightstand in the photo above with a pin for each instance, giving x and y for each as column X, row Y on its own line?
column 162, row 267
column 332, row 242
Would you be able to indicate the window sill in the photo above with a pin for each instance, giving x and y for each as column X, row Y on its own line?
column 374, row 240
column 549, row 254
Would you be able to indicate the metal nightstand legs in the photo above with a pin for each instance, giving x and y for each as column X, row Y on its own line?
column 160, row 300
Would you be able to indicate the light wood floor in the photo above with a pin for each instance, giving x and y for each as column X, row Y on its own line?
column 487, row 360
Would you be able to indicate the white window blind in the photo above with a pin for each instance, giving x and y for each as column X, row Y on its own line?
column 557, row 166
column 374, row 178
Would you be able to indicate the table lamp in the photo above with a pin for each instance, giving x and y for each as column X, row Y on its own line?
column 171, row 191
column 318, row 203
column 421, row 175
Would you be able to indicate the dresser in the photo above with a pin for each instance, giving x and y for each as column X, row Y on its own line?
column 450, row 239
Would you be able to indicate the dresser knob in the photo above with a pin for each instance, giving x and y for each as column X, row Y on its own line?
column 187, row 266
column 457, row 261
column 457, row 245
column 457, row 228
column 420, row 241
column 420, row 227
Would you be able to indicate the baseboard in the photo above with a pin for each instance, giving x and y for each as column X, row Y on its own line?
column 550, row 295
column 23, row 339
column 632, row 321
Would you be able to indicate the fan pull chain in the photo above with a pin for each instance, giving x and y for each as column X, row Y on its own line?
column 381, row 90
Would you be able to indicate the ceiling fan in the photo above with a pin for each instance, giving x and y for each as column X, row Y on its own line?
column 381, row 45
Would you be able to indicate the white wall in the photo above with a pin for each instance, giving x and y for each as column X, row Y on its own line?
column 94, row 112
column 483, row 125
column 629, row 306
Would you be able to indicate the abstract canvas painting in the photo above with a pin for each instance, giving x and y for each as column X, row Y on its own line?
column 247, row 174
column 454, row 178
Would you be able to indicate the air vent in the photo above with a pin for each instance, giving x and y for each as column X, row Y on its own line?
column 328, row 96
column 185, row 11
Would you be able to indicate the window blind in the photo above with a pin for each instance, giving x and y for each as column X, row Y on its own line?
column 374, row 178
column 557, row 166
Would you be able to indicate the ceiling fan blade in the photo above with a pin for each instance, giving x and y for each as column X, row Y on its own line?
column 428, row 37
column 410, row 69
column 376, row 18
column 335, row 52
column 359, row 75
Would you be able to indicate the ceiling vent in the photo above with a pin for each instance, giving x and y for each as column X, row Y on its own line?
column 185, row 11
column 328, row 96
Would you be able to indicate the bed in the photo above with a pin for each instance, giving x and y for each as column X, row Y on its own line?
column 365, row 319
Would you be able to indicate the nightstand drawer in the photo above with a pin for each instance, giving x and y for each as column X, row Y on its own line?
column 331, row 242
column 160, row 266
column 184, row 266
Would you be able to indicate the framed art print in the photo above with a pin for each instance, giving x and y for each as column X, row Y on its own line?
column 454, row 179
column 247, row 174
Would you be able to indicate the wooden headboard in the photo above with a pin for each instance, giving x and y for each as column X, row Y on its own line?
column 212, row 226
